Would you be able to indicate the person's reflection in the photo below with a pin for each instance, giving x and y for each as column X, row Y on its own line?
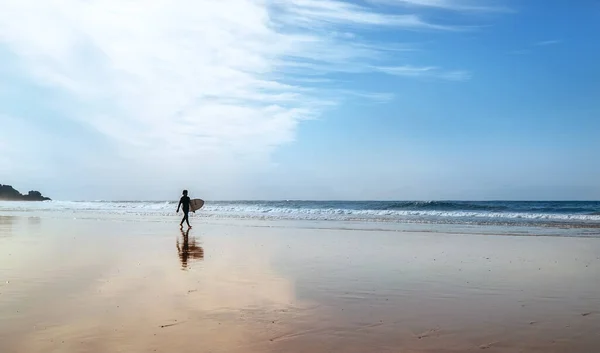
column 189, row 249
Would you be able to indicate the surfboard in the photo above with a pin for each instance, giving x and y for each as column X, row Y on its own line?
column 196, row 204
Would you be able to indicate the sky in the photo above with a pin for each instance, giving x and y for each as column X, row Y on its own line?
column 301, row 99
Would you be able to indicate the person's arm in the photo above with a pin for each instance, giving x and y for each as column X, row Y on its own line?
column 178, row 206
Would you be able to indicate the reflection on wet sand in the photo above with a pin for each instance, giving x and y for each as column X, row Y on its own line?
column 6, row 224
column 10, row 224
column 188, row 249
column 138, row 302
column 260, row 290
column 7, row 221
column 34, row 221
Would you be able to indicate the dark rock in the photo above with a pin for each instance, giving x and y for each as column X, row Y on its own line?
column 7, row 192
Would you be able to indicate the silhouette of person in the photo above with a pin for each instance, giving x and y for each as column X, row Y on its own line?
column 189, row 249
column 184, row 203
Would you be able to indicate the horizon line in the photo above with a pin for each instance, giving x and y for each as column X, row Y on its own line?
column 336, row 200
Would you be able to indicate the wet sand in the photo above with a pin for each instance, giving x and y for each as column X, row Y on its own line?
column 127, row 286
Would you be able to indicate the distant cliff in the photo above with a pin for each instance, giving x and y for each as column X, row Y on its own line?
column 7, row 192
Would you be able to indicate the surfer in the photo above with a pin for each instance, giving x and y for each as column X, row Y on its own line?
column 184, row 203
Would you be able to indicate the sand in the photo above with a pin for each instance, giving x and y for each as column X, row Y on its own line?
column 81, row 285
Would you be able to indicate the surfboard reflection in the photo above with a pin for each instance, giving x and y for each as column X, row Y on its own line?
column 188, row 249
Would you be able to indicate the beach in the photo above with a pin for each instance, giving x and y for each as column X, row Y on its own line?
column 127, row 284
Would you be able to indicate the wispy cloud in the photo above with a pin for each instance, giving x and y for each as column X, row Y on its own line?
column 548, row 42
column 322, row 12
column 543, row 43
column 426, row 72
column 452, row 5
column 378, row 97
column 232, row 78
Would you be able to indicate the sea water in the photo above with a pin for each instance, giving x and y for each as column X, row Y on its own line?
column 579, row 217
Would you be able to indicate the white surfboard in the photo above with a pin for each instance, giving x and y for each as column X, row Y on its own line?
column 196, row 204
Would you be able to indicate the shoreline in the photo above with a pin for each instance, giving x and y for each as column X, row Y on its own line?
column 557, row 230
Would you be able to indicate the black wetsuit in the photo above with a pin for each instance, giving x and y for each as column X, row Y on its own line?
column 185, row 204
column 185, row 207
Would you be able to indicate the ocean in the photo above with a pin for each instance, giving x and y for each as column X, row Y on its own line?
column 581, row 217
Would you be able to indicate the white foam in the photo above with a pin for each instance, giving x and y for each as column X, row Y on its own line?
column 239, row 210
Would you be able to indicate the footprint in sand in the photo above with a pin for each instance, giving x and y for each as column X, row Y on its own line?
column 427, row 333
column 487, row 346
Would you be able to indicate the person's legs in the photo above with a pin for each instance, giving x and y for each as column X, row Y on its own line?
column 187, row 220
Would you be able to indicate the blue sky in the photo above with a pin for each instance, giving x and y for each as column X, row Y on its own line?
column 310, row 99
